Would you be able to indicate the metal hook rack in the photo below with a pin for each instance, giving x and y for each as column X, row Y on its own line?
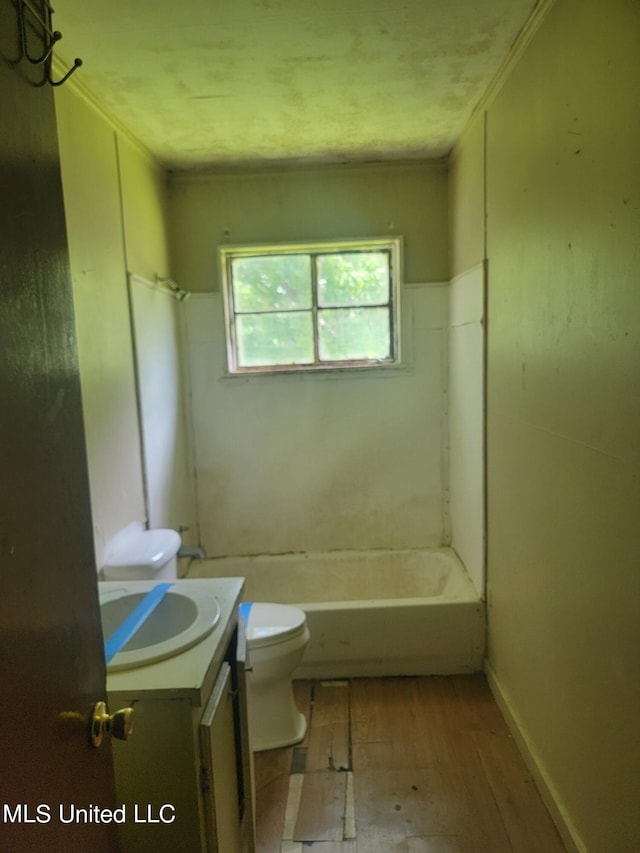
column 38, row 23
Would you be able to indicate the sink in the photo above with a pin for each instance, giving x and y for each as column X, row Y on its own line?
column 180, row 620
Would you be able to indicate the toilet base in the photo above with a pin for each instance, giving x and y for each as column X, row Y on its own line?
column 274, row 719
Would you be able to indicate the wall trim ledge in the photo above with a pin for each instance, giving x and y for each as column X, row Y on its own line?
column 547, row 789
column 466, row 272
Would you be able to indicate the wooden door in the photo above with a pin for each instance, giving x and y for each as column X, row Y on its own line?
column 51, row 659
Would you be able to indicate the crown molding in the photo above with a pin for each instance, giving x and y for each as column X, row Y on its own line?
column 85, row 94
column 519, row 46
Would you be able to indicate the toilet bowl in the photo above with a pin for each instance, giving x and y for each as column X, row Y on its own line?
column 137, row 554
column 277, row 636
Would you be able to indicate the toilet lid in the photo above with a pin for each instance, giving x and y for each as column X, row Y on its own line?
column 273, row 623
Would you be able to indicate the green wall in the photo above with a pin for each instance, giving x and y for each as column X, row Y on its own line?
column 563, row 405
column 310, row 204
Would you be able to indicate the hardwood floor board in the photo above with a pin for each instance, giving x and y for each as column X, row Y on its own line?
column 335, row 702
column 445, row 748
column 389, row 727
column 350, row 809
column 436, row 844
column 476, row 706
column 471, row 809
column 372, row 843
column 328, row 735
column 272, row 770
column 433, row 770
column 319, row 847
column 370, row 698
column 439, row 705
column 375, row 756
column 399, row 753
column 439, row 716
column 321, row 812
column 294, row 794
column 527, row 821
column 400, row 803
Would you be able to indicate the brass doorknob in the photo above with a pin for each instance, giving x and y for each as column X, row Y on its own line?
column 122, row 723
column 119, row 725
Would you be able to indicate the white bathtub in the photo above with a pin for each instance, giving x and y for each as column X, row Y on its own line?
column 370, row 612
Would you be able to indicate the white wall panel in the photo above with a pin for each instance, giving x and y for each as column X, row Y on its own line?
column 466, row 421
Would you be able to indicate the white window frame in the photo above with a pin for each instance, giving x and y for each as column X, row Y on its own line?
column 393, row 245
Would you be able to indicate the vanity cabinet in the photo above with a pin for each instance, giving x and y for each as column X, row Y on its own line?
column 184, row 777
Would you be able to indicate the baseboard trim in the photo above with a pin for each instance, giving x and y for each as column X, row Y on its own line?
column 548, row 792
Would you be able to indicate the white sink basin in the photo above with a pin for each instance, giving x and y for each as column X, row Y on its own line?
column 180, row 620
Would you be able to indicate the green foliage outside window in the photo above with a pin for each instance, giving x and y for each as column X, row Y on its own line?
column 354, row 278
column 311, row 308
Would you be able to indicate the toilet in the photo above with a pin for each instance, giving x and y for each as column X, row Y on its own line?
column 277, row 636
column 137, row 554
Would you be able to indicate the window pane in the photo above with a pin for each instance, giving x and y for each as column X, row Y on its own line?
column 271, row 283
column 353, row 333
column 265, row 339
column 353, row 278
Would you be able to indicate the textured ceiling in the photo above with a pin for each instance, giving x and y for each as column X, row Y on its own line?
column 201, row 82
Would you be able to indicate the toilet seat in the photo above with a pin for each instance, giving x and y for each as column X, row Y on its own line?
column 271, row 624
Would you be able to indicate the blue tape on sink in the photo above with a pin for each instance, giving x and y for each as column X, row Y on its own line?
column 244, row 610
column 135, row 620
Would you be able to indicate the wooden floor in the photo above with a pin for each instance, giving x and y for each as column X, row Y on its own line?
column 400, row 765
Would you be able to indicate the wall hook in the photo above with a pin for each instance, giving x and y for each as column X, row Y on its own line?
column 36, row 22
column 76, row 64
column 55, row 36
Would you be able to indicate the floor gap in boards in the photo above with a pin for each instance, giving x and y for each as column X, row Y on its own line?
column 400, row 765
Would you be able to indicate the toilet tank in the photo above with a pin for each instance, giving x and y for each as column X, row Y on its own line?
column 142, row 555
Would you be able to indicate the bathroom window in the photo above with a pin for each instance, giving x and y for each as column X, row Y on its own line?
column 317, row 306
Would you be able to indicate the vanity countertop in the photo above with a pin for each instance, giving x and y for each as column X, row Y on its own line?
column 188, row 674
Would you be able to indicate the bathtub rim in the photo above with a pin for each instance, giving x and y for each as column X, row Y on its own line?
column 458, row 585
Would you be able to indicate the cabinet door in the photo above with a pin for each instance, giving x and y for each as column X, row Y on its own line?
column 220, row 767
column 248, row 783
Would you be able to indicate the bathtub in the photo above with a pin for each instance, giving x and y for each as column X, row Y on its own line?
column 405, row 612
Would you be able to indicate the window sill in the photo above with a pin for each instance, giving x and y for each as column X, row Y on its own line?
column 359, row 372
